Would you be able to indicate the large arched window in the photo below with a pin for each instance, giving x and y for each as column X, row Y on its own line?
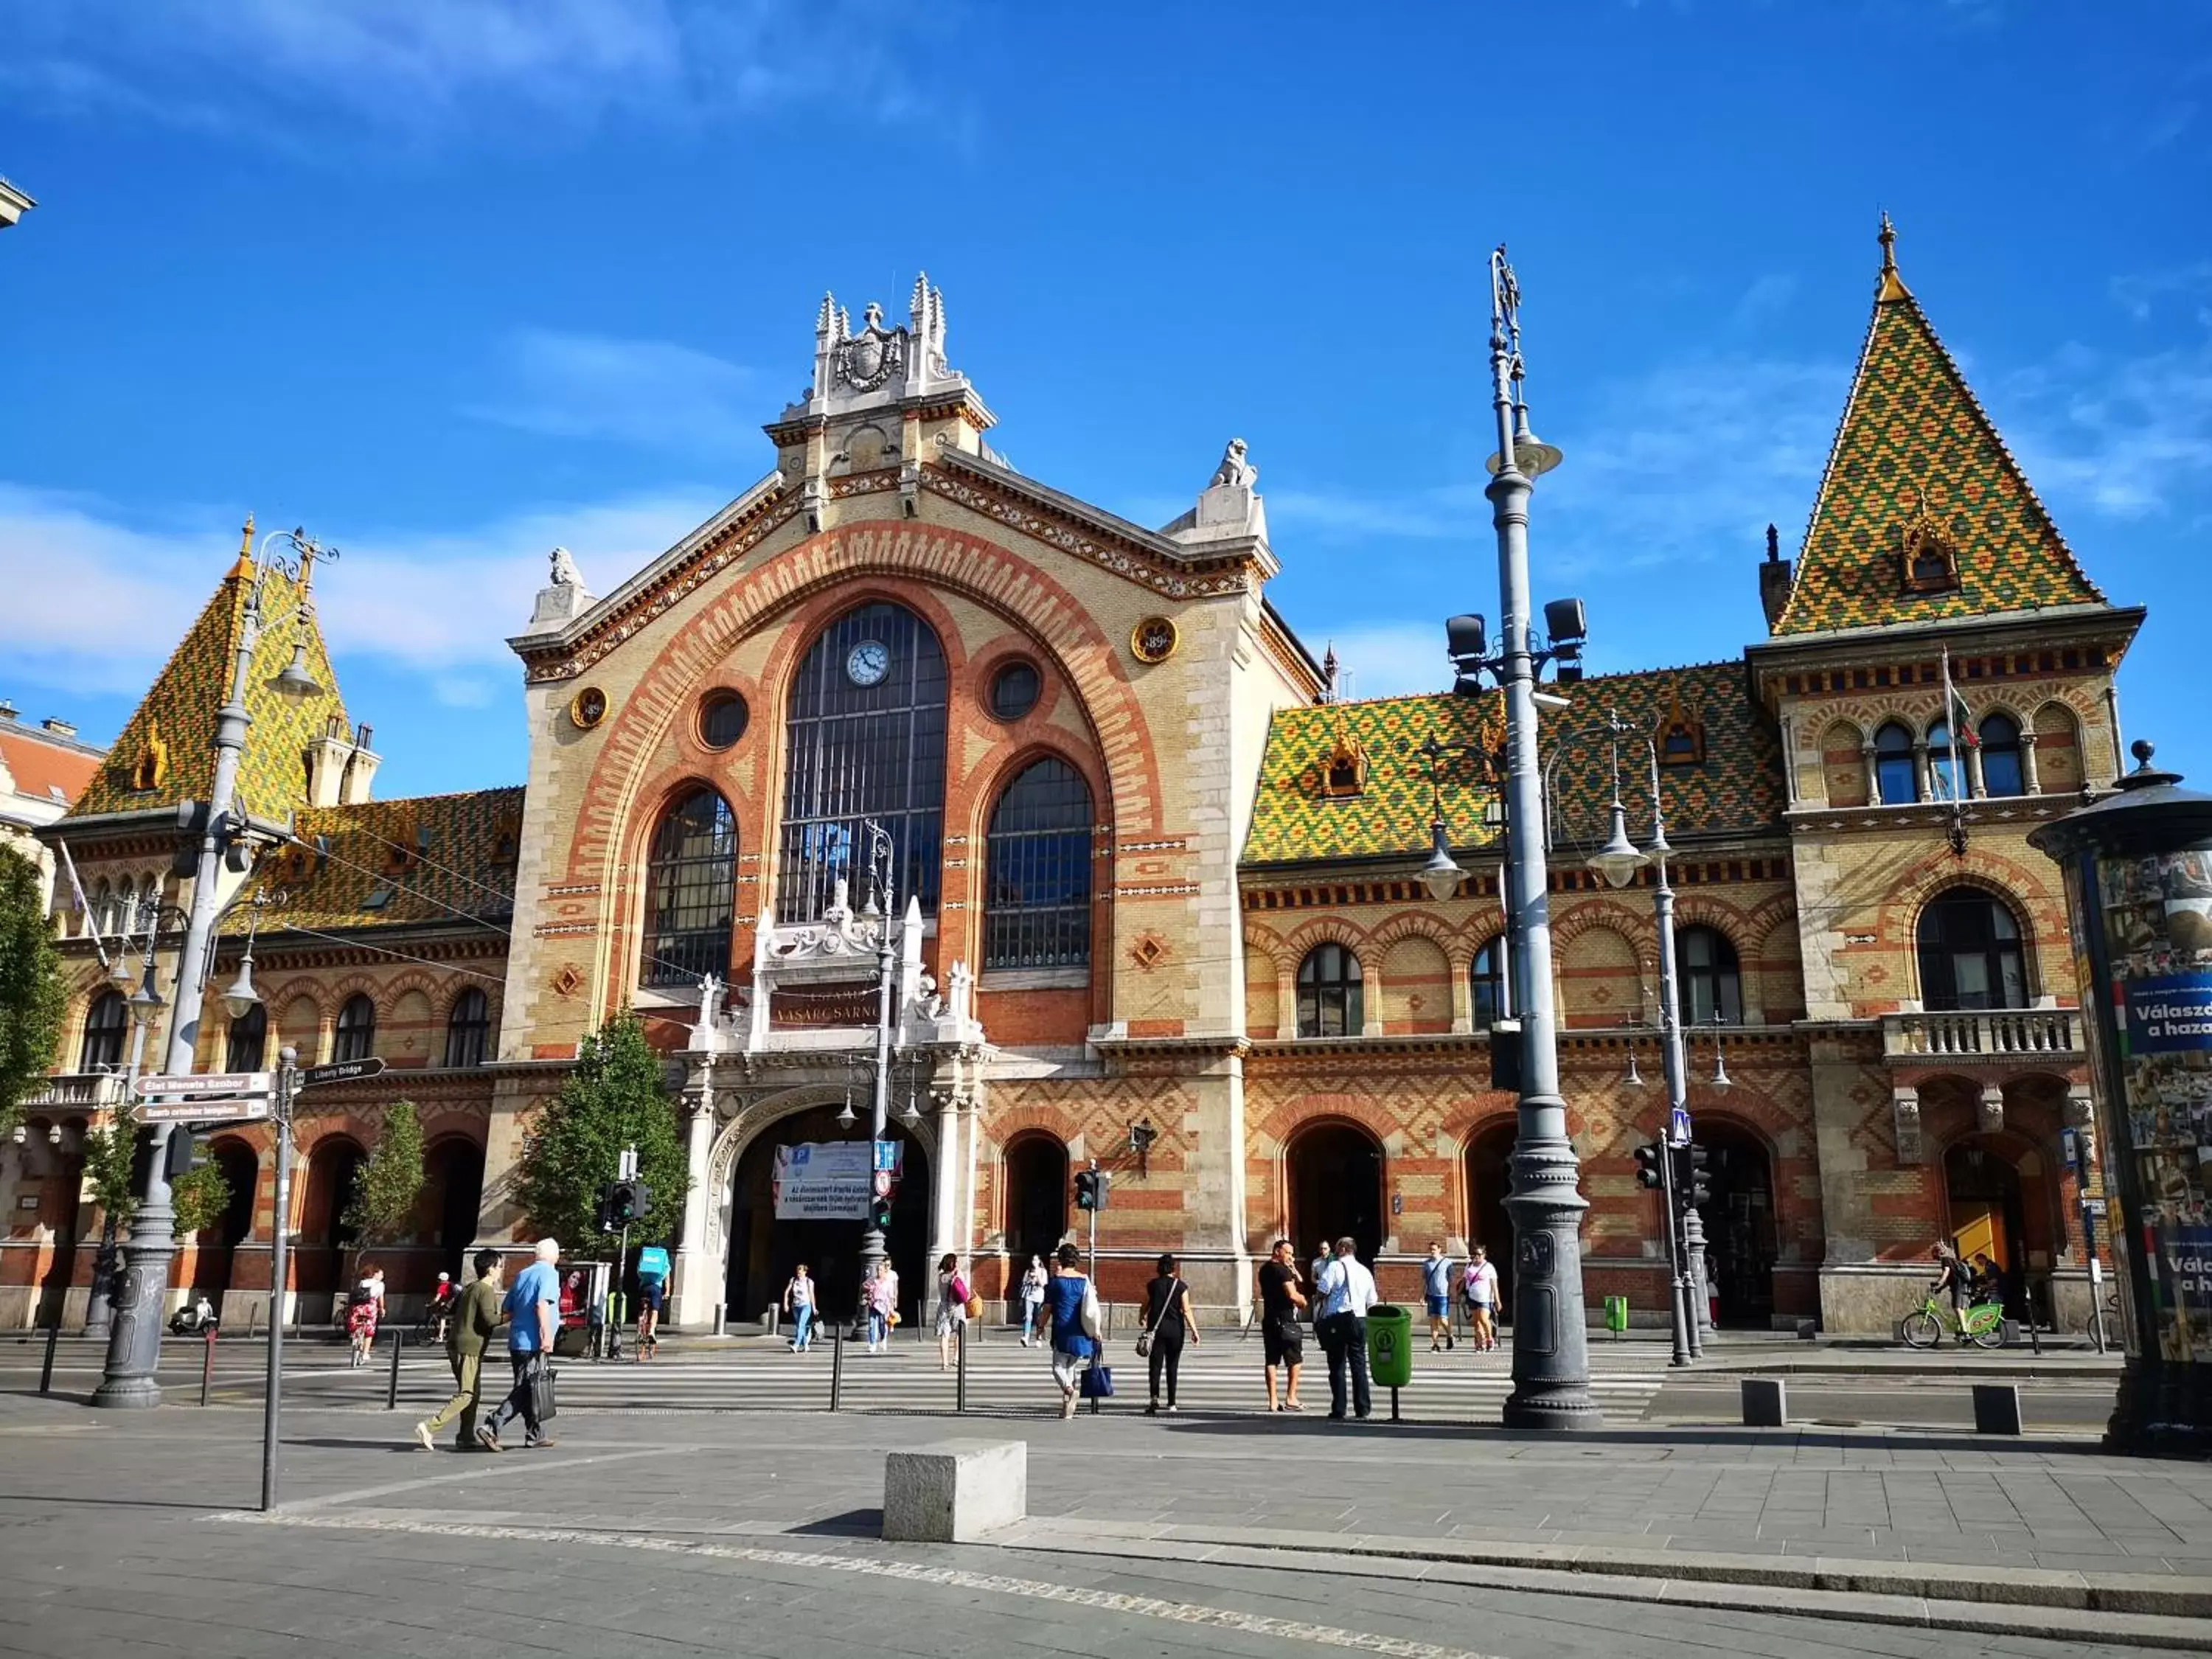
column 1488, row 980
column 2001, row 774
column 104, row 1022
column 468, row 1028
column 356, row 1028
column 1037, row 895
column 1894, row 775
column 1947, row 774
column 1970, row 953
column 1707, row 982
column 864, row 739
column 248, row 1040
column 691, row 893
column 1329, row 993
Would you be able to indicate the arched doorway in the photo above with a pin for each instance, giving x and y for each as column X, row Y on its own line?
column 763, row 1250
column 324, row 1236
column 454, row 1169
column 1036, row 1197
column 215, row 1262
column 60, row 1208
column 1995, row 1203
column 1489, row 1223
column 1334, row 1181
column 1739, row 1221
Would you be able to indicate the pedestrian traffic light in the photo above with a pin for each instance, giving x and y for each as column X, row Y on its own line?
column 1648, row 1175
column 1090, row 1187
column 186, row 1152
column 1505, row 1056
column 880, row 1214
column 605, row 1214
column 631, row 1200
column 1693, row 1183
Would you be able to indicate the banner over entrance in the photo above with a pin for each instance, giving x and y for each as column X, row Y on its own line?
column 823, row 1181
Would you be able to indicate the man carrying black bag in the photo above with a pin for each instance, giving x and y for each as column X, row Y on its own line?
column 533, row 1313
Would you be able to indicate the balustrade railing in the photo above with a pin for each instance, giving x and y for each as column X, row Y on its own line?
column 1983, row 1033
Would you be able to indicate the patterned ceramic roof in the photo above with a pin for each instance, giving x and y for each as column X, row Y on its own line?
column 1915, row 449
column 169, row 742
column 1735, row 787
column 392, row 863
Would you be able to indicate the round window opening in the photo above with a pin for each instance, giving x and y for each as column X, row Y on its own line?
column 1015, row 690
column 722, row 719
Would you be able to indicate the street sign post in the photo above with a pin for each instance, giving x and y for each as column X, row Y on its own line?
column 1678, row 1125
column 341, row 1071
column 204, row 1111
column 204, row 1083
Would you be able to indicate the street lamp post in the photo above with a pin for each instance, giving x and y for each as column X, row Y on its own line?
column 145, row 1004
column 1551, row 1353
column 134, row 1348
column 882, row 898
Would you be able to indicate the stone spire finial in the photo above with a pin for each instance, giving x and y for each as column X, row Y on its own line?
column 244, row 569
column 826, row 318
column 1892, row 286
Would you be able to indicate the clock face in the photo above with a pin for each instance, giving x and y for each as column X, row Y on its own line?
column 867, row 663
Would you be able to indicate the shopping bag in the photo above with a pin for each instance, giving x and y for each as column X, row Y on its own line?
column 1098, row 1380
column 542, row 1404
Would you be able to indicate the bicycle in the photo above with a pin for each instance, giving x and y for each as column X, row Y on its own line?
column 1982, row 1324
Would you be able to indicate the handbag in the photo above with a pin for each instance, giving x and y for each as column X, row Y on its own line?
column 1098, row 1380
column 544, row 1406
column 974, row 1306
column 1090, row 1315
column 1145, row 1336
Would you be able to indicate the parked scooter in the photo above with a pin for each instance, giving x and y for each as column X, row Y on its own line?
column 192, row 1319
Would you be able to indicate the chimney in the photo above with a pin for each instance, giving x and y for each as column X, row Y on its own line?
column 326, row 764
column 360, row 769
column 1773, row 580
column 59, row 728
column 7, row 709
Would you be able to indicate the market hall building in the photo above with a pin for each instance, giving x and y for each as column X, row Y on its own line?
column 1163, row 888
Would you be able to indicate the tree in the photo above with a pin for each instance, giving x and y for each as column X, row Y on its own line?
column 386, row 1186
column 108, row 1157
column 31, row 996
column 614, row 1098
column 199, row 1198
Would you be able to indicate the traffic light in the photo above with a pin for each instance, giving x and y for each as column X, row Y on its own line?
column 1091, row 1188
column 1692, row 1185
column 1649, row 1175
column 605, row 1212
column 1505, row 1056
column 631, row 1199
column 186, row 1152
column 880, row 1214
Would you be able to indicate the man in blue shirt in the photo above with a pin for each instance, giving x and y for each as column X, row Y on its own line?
column 1436, row 1292
column 652, row 1291
column 533, row 1317
column 1346, row 1291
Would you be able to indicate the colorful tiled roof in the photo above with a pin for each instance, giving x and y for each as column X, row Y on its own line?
column 168, row 744
column 430, row 859
column 1735, row 787
column 1916, row 452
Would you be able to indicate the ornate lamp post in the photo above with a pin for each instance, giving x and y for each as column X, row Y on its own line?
column 134, row 1349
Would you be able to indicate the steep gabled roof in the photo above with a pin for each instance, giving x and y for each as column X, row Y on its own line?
column 424, row 859
column 166, row 752
column 1915, row 451
column 1733, row 787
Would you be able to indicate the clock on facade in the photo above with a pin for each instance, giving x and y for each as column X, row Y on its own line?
column 867, row 663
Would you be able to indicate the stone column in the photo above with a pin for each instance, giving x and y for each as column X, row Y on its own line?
column 964, row 1214
column 1286, row 1004
column 1463, row 999
column 2029, row 779
column 699, row 1277
column 1873, row 772
column 1371, row 997
column 945, row 1178
column 1920, row 781
column 1975, row 785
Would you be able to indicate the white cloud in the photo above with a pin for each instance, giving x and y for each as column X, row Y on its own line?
column 641, row 392
column 97, row 603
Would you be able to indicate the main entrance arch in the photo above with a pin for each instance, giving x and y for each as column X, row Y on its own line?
column 1036, row 1196
column 1740, row 1234
column 763, row 1251
column 1333, row 1176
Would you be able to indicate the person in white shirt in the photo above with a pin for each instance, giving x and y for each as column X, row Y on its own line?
column 1347, row 1291
column 1479, row 1286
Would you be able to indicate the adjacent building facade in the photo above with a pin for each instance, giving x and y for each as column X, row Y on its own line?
column 1154, row 886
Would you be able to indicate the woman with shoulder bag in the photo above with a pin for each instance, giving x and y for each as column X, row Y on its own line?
column 1073, row 1316
column 1169, row 1321
column 952, row 1308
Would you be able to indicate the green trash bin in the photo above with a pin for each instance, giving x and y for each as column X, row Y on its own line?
column 1390, row 1345
column 1616, row 1315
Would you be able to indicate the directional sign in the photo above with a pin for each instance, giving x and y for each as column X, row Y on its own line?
column 204, row 1111
column 2092, row 1206
column 342, row 1070
column 1678, row 1125
column 206, row 1083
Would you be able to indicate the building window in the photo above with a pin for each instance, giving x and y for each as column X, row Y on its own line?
column 1015, row 690
column 691, row 887
column 1947, row 778
column 1970, row 953
column 1037, row 907
column 723, row 717
column 1487, row 979
column 1708, row 984
column 248, row 1040
column 2001, row 773
column 356, row 1028
column 104, row 1022
column 1329, row 993
column 468, row 1028
column 1894, row 774
column 866, row 740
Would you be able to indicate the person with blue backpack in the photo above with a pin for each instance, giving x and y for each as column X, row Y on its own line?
column 651, row 1293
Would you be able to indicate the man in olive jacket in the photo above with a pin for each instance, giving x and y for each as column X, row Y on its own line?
column 476, row 1316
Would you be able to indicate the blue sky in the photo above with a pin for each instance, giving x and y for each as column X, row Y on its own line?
column 452, row 281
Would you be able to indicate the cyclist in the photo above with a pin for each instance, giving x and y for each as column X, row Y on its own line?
column 651, row 1291
column 441, row 1308
column 1954, row 1276
column 1989, row 1279
column 365, row 1307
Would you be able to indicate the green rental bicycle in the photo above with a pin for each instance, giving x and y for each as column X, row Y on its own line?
column 1982, row 1324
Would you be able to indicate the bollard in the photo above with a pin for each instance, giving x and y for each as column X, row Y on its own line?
column 207, row 1366
column 253, row 1319
column 1997, row 1408
column 1765, row 1402
column 837, row 1364
column 960, row 1376
column 46, row 1366
column 721, row 1317
column 392, row 1387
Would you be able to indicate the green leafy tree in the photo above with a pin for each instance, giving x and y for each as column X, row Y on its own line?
column 613, row 1098
column 31, row 995
column 386, row 1186
column 107, row 1158
column 199, row 1197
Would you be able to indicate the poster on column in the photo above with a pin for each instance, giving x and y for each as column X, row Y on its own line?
column 822, row 1180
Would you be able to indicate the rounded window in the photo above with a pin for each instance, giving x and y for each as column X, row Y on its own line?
column 1015, row 690
column 723, row 717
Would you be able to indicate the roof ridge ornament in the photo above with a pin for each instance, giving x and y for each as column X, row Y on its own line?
column 1891, row 288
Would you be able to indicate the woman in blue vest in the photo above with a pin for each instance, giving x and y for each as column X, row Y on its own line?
column 1074, row 1324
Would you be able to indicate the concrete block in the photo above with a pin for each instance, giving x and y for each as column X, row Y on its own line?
column 955, row 1492
column 1765, row 1402
column 1997, row 1408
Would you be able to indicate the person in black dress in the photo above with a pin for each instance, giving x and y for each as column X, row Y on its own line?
column 1169, row 1322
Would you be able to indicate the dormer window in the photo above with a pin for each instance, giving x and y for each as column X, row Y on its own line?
column 1928, row 562
column 1343, row 773
column 1681, row 743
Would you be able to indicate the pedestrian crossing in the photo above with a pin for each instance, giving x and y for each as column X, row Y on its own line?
column 1222, row 1376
